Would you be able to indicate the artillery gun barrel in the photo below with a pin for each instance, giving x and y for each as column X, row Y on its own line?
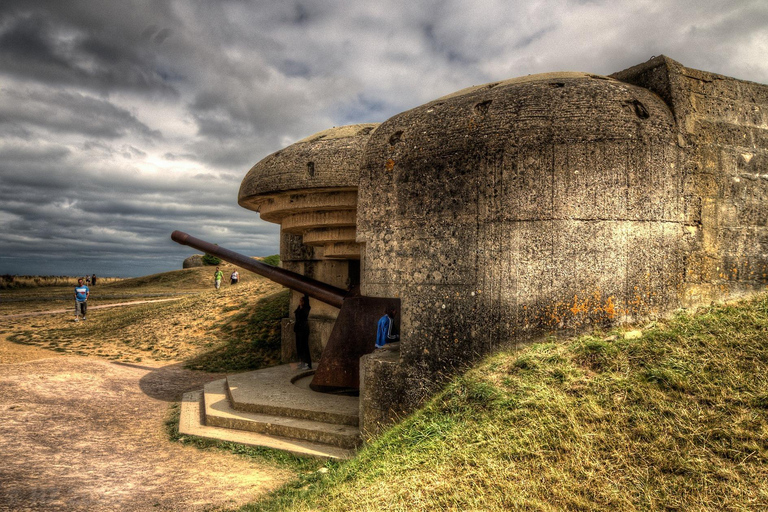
column 315, row 289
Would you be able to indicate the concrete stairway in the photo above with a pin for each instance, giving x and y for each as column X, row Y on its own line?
column 274, row 408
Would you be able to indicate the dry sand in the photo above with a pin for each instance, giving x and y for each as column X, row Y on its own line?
column 80, row 433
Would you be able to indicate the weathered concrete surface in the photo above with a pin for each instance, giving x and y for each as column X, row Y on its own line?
column 722, row 129
column 311, row 187
column 220, row 413
column 84, row 434
column 545, row 203
column 272, row 391
column 327, row 159
column 382, row 380
column 190, row 424
column 196, row 260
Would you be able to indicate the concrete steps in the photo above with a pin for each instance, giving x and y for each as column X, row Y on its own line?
column 274, row 408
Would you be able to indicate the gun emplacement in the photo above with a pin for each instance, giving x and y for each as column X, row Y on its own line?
column 354, row 333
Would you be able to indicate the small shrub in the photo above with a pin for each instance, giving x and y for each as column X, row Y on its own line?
column 211, row 260
column 273, row 260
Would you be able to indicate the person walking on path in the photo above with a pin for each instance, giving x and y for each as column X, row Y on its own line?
column 234, row 278
column 81, row 298
column 384, row 328
column 217, row 277
column 301, row 328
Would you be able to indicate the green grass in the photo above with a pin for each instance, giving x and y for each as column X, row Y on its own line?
column 188, row 279
column 251, row 338
column 674, row 420
column 273, row 260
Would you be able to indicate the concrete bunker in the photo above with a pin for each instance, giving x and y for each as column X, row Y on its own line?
column 542, row 204
column 310, row 189
column 551, row 202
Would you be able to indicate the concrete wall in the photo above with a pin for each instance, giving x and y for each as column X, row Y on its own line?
column 722, row 126
column 310, row 189
column 547, row 203
column 555, row 203
column 506, row 211
column 306, row 260
column 325, row 160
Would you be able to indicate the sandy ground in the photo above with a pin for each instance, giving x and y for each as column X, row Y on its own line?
column 80, row 433
column 90, row 308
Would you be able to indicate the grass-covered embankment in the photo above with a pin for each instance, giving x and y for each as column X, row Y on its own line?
column 676, row 420
column 252, row 337
column 236, row 328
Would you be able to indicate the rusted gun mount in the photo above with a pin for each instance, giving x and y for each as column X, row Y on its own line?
column 354, row 333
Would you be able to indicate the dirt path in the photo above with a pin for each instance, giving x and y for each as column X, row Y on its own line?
column 117, row 304
column 81, row 433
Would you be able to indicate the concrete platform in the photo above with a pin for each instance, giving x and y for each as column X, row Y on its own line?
column 190, row 424
column 275, row 408
column 220, row 413
column 267, row 391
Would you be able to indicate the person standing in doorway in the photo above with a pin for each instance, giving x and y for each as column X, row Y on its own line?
column 81, row 298
column 217, row 277
column 384, row 328
column 301, row 328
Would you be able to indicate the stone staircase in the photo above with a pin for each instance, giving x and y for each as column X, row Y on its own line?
column 274, row 408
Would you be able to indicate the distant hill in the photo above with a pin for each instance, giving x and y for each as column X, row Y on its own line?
column 188, row 279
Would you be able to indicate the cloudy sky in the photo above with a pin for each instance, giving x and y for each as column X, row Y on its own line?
column 123, row 120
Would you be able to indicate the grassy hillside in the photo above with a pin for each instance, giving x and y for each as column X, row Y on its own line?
column 188, row 279
column 234, row 328
column 57, row 293
column 674, row 420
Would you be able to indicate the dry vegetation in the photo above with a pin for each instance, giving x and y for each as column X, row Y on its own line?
column 674, row 420
column 201, row 321
column 9, row 282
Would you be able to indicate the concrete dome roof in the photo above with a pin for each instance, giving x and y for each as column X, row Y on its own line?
column 546, row 108
column 329, row 159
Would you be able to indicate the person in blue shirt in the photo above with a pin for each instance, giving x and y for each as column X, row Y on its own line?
column 384, row 329
column 81, row 297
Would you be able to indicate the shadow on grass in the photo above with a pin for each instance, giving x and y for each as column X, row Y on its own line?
column 252, row 337
column 252, row 341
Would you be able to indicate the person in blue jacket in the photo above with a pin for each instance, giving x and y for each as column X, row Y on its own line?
column 384, row 329
column 81, row 297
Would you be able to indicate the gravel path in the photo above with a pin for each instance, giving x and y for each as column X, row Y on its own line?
column 82, row 433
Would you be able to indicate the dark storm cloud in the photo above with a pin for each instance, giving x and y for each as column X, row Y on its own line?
column 122, row 121
column 37, row 45
column 59, row 111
